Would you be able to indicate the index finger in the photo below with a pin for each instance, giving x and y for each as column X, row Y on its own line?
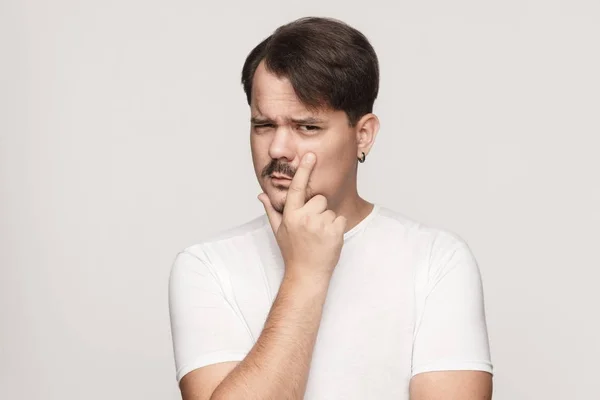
column 296, row 196
column 272, row 214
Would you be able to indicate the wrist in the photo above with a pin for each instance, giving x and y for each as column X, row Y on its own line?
column 305, row 280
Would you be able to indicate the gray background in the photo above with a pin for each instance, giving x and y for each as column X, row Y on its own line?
column 124, row 138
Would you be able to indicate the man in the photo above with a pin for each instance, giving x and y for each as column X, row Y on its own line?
column 326, row 296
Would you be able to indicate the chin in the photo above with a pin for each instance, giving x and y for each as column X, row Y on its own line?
column 277, row 198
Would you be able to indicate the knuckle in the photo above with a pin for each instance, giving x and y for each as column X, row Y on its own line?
column 321, row 199
column 305, row 220
column 315, row 223
column 332, row 233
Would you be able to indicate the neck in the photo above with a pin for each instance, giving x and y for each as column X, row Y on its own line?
column 354, row 209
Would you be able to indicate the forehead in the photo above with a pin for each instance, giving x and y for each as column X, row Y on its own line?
column 274, row 97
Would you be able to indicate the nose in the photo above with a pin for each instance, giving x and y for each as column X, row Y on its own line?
column 282, row 145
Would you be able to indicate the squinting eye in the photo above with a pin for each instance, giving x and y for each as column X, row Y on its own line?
column 309, row 128
column 263, row 126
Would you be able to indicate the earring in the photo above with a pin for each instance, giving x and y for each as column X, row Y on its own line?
column 362, row 159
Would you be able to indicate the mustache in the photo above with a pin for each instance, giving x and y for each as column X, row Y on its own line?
column 276, row 167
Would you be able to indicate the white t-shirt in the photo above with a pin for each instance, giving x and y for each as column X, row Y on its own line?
column 404, row 299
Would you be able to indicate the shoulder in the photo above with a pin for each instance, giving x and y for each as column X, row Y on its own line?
column 208, row 252
column 432, row 239
column 435, row 250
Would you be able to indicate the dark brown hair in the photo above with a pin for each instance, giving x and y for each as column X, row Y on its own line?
column 328, row 63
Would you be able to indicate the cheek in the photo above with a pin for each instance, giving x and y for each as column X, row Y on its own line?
column 258, row 154
column 328, row 175
column 334, row 167
column 335, row 156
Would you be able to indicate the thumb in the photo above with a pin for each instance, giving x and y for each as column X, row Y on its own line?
column 274, row 216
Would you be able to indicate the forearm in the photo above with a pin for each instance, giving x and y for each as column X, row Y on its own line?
column 278, row 364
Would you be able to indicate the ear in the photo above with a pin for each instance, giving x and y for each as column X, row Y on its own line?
column 366, row 131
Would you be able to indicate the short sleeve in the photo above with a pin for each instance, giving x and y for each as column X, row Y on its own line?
column 451, row 331
column 205, row 328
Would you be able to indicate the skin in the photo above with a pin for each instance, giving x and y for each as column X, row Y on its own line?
column 280, row 136
column 452, row 385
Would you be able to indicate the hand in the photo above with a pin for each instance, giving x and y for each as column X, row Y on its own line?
column 309, row 235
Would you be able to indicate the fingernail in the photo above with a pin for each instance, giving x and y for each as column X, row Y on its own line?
column 310, row 157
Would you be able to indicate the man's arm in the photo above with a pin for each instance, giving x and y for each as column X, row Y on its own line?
column 278, row 364
column 200, row 383
column 451, row 385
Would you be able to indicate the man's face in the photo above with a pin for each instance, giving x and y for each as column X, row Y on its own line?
column 283, row 130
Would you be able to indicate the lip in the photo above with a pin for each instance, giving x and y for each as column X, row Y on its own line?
column 281, row 178
column 281, row 181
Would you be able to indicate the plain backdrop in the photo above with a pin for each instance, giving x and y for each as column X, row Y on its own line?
column 124, row 137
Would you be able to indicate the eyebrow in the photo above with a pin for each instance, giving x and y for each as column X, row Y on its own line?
column 299, row 121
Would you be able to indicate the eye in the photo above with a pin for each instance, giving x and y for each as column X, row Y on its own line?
column 309, row 128
column 263, row 126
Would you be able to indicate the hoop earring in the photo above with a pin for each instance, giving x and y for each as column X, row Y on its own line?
column 362, row 159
